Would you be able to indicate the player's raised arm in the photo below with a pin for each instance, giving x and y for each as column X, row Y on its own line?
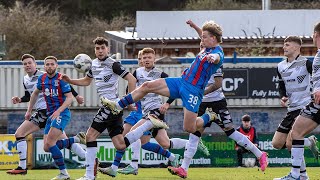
column 85, row 81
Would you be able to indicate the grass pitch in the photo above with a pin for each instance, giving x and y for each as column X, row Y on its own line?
column 162, row 173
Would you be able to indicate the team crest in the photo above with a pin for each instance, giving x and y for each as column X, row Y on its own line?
column 56, row 82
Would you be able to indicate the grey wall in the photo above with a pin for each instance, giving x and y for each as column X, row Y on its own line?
column 265, row 120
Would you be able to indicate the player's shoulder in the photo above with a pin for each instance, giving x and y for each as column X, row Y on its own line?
column 155, row 69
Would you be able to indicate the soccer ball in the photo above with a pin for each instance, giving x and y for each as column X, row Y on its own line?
column 249, row 162
column 82, row 63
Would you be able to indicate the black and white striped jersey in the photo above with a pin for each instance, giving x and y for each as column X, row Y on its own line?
column 30, row 84
column 151, row 100
column 106, row 75
column 216, row 95
column 296, row 78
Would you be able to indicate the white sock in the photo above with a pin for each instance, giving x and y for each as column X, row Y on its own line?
column 296, row 157
column 113, row 167
column 243, row 141
column 307, row 142
column 135, row 153
column 171, row 157
column 64, row 171
column 190, row 150
column 22, row 149
column 90, row 159
column 177, row 143
column 134, row 135
column 303, row 167
column 78, row 150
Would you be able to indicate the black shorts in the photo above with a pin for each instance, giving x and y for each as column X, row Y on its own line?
column 286, row 124
column 104, row 119
column 219, row 107
column 39, row 118
column 160, row 116
column 311, row 111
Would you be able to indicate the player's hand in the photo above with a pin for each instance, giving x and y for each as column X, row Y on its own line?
column 132, row 108
column 163, row 109
column 316, row 96
column 16, row 100
column 80, row 99
column 190, row 22
column 55, row 115
column 27, row 116
column 211, row 58
column 283, row 101
column 65, row 78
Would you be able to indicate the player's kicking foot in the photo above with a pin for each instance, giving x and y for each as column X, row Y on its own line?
column 213, row 116
column 82, row 137
column 108, row 171
column 179, row 171
column 61, row 177
column 17, row 171
column 157, row 123
column 263, row 160
column 313, row 147
column 287, row 177
column 304, row 177
column 110, row 105
column 203, row 148
column 128, row 170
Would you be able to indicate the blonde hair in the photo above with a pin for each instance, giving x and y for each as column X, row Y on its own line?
column 214, row 29
column 317, row 27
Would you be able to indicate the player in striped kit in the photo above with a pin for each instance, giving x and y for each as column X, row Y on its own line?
column 39, row 118
column 295, row 89
column 189, row 87
column 58, row 97
column 106, row 72
column 309, row 118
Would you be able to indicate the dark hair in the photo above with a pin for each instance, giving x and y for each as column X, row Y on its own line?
column 295, row 39
column 100, row 41
column 25, row 56
column 51, row 57
column 317, row 27
column 246, row 117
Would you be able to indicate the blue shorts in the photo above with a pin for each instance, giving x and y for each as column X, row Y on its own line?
column 190, row 95
column 133, row 118
column 59, row 124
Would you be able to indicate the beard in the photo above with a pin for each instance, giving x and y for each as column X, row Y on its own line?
column 51, row 72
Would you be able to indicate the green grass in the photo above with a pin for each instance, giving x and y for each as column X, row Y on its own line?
column 162, row 173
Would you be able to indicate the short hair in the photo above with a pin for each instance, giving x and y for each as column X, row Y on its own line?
column 25, row 56
column 295, row 39
column 147, row 50
column 214, row 29
column 51, row 57
column 317, row 27
column 100, row 41
column 246, row 117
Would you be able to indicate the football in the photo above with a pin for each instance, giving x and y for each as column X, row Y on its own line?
column 82, row 63
column 249, row 162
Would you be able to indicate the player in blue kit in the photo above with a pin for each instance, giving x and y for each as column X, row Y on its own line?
column 189, row 87
column 58, row 97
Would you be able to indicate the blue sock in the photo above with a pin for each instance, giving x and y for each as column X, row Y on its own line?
column 206, row 119
column 65, row 143
column 118, row 157
column 156, row 148
column 57, row 157
column 125, row 101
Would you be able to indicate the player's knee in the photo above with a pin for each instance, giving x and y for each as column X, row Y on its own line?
column 277, row 145
column 146, row 86
column 165, row 145
column 46, row 147
column 120, row 145
column 190, row 129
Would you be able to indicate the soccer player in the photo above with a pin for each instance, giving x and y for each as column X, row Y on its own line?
column 214, row 101
column 189, row 87
column 58, row 97
column 309, row 117
column 39, row 118
column 106, row 72
column 294, row 87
